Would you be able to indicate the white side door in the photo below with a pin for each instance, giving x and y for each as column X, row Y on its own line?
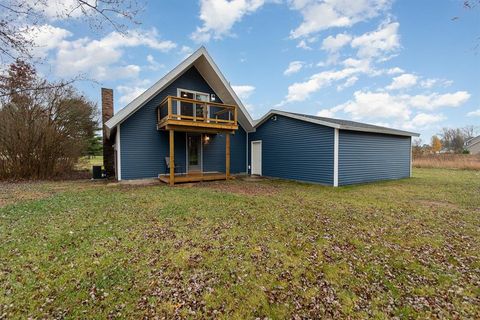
column 256, row 157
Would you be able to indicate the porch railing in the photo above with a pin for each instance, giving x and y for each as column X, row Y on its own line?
column 190, row 110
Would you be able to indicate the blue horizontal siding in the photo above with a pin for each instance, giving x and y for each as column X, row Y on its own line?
column 143, row 148
column 214, row 152
column 366, row 157
column 295, row 149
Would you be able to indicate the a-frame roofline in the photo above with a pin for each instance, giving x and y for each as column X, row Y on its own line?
column 204, row 63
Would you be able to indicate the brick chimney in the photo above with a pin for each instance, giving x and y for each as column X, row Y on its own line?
column 108, row 152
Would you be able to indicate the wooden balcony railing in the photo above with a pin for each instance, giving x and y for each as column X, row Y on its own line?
column 176, row 112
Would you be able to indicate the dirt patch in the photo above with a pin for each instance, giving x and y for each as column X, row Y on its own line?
column 437, row 204
column 250, row 188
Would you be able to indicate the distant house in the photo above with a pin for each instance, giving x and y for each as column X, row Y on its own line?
column 473, row 145
column 191, row 126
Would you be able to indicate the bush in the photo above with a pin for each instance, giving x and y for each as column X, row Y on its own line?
column 45, row 127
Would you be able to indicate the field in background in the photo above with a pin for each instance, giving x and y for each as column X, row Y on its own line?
column 450, row 161
column 242, row 249
column 86, row 163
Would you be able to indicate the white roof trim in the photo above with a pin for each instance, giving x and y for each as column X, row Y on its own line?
column 333, row 125
column 138, row 102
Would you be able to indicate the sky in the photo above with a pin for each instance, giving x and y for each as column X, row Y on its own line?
column 408, row 64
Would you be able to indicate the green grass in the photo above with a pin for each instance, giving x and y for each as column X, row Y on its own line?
column 242, row 249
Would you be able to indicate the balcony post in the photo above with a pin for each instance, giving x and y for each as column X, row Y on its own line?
column 227, row 155
column 172, row 157
column 235, row 114
column 169, row 102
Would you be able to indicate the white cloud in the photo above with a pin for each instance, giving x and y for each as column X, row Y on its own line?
column 422, row 120
column 403, row 81
column 300, row 91
column 431, row 82
column 320, row 15
column 395, row 70
column 334, row 44
column 436, row 100
column 243, row 91
column 376, row 104
column 348, row 83
column 327, row 113
column 303, row 45
column 376, row 43
column 57, row 9
column 293, row 67
column 219, row 16
column 129, row 92
column 93, row 56
column 383, row 105
column 474, row 113
column 153, row 64
column 45, row 38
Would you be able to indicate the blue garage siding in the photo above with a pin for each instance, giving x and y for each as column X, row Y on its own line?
column 295, row 149
column 144, row 148
column 366, row 157
column 214, row 152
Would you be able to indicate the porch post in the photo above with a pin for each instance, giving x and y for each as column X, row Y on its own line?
column 227, row 155
column 172, row 158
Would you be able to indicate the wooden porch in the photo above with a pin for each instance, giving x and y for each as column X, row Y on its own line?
column 196, row 116
column 195, row 177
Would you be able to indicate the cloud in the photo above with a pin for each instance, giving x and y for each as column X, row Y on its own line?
column 293, row 67
column 422, row 120
column 92, row 56
column 334, row 44
column 474, row 113
column 303, row 45
column 243, row 91
column 403, row 81
column 402, row 109
column 57, row 9
column 153, row 64
column 348, row 83
column 219, row 16
column 436, row 100
column 129, row 92
column 376, row 43
column 431, row 82
column 321, row 15
column 327, row 113
column 395, row 70
column 45, row 38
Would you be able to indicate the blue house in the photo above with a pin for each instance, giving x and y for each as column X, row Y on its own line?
column 191, row 126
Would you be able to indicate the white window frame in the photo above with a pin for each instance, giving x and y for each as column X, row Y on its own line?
column 179, row 108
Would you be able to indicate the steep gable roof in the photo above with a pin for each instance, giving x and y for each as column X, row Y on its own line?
column 209, row 71
column 336, row 123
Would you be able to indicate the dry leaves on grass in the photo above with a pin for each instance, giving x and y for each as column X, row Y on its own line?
column 241, row 187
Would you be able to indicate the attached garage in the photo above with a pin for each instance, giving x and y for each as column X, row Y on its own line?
column 327, row 151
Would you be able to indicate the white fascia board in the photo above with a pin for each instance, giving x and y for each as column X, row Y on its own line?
column 335, row 157
column 294, row 116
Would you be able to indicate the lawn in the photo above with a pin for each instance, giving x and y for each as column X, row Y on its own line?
column 242, row 249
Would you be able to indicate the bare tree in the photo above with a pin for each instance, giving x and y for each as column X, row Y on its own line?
column 18, row 17
column 43, row 131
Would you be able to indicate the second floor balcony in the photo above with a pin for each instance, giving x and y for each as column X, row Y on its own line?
column 184, row 114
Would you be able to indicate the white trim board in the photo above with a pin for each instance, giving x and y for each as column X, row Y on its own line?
column 335, row 157
column 119, row 154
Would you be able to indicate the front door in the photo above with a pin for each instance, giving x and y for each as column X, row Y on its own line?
column 194, row 152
